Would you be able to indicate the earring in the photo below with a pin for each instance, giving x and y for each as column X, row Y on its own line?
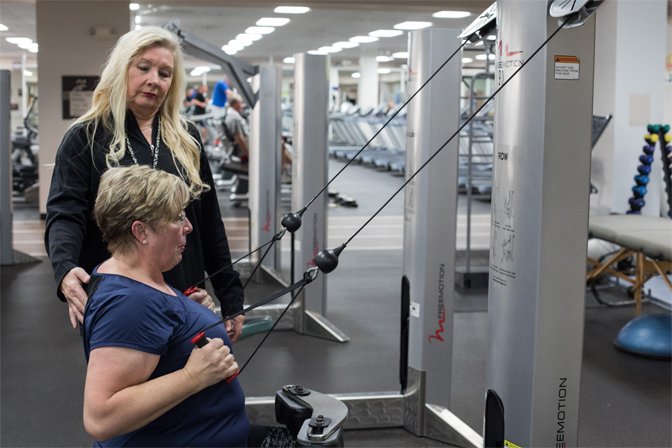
column 144, row 242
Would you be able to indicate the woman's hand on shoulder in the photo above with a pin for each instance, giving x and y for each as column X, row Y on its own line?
column 73, row 291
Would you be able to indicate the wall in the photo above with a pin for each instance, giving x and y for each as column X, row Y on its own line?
column 67, row 48
column 631, row 41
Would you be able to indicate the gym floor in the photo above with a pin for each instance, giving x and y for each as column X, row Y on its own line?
column 625, row 400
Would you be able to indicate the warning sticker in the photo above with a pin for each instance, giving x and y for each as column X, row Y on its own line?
column 567, row 67
column 509, row 444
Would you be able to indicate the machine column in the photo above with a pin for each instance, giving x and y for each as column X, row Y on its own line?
column 309, row 175
column 539, row 224
column 264, row 174
column 6, row 251
column 430, row 215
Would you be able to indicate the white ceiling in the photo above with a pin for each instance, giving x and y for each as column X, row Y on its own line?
column 219, row 21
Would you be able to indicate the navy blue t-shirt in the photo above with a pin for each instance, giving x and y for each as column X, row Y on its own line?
column 122, row 312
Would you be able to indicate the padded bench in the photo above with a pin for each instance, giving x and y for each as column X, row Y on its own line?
column 647, row 238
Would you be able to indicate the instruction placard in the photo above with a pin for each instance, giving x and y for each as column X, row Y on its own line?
column 567, row 67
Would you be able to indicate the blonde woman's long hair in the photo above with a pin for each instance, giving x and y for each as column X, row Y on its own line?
column 109, row 104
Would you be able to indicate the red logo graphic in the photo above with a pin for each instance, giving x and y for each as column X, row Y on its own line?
column 507, row 52
column 438, row 334
column 267, row 225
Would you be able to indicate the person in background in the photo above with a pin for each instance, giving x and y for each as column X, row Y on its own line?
column 134, row 119
column 236, row 128
column 220, row 96
column 188, row 97
column 146, row 383
column 199, row 102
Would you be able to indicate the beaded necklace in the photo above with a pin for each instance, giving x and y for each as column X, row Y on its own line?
column 154, row 148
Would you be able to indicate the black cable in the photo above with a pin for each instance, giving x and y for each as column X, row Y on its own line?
column 412, row 176
column 268, row 333
column 384, row 125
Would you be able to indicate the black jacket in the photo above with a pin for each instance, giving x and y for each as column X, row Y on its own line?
column 72, row 237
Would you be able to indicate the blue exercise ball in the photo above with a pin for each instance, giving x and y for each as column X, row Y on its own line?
column 649, row 335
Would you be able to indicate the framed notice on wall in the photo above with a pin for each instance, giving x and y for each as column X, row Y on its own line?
column 77, row 94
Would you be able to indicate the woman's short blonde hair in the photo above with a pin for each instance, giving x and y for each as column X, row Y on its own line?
column 136, row 193
column 109, row 104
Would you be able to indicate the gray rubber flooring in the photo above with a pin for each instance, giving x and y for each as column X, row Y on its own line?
column 625, row 400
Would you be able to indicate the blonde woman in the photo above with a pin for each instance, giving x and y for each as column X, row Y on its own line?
column 135, row 120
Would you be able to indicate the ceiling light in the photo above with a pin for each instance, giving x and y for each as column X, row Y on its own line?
column 33, row 48
column 289, row 59
column 199, row 70
column 27, row 73
column 451, row 14
column 356, row 75
column 467, row 60
column 252, row 37
column 230, row 50
column 318, row 52
column 239, row 43
column 272, row 21
column 328, row 49
column 291, row 9
column 133, row 6
column 412, row 25
column 384, row 71
column 138, row 19
column 481, row 57
column 259, row 30
column 492, row 37
column 400, row 55
column 3, row 27
column 384, row 58
column 19, row 40
column 386, row 33
column 363, row 39
column 343, row 44
column 247, row 38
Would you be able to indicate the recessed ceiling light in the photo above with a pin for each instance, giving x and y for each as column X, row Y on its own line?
column 133, row 6
column 343, row 44
column 412, row 25
column 386, row 33
column 27, row 73
column 384, row 71
column 289, row 59
column 228, row 49
column 467, row 60
column 363, row 39
column 451, row 14
column 400, row 55
column 318, row 52
column 199, row 70
column 259, row 30
column 19, row 40
column 252, row 37
column 138, row 20
column 291, row 9
column 3, row 27
column 328, row 49
column 481, row 57
column 236, row 44
column 384, row 58
column 272, row 21
column 356, row 75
